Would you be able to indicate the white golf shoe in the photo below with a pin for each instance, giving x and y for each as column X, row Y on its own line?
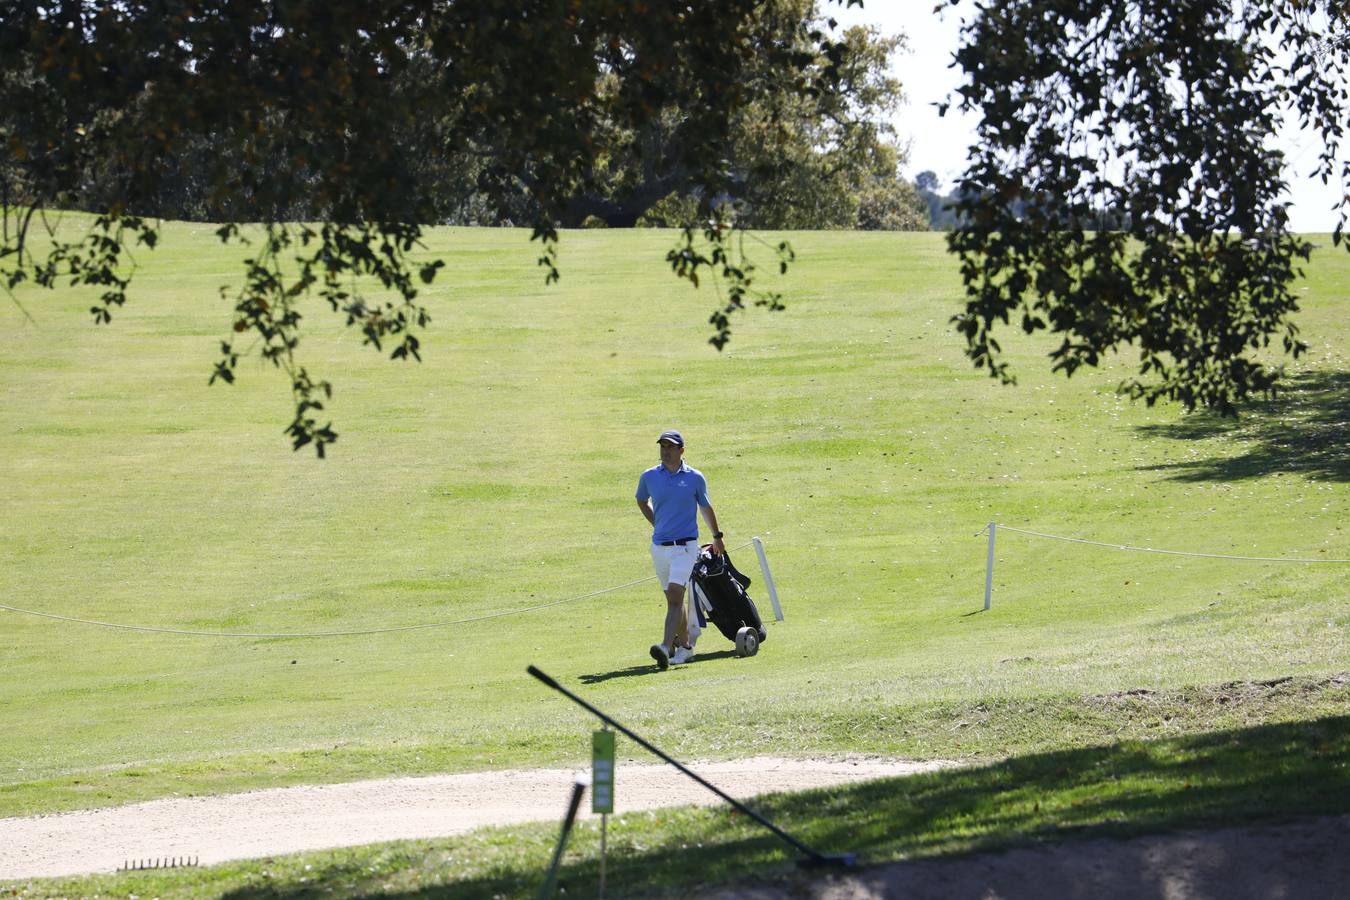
column 682, row 655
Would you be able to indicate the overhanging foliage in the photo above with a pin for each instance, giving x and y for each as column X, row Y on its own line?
column 1123, row 190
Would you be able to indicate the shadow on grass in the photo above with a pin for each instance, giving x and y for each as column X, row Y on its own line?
column 650, row 668
column 709, row 657
column 1305, row 431
column 1217, row 779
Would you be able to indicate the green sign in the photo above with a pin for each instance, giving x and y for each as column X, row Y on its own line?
column 602, row 772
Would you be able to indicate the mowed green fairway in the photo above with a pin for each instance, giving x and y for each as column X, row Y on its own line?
column 498, row 475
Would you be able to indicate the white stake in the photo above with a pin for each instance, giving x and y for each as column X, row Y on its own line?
column 768, row 579
column 989, row 567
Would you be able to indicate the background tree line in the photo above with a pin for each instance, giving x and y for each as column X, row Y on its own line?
column 944, row 209
column 793, row 159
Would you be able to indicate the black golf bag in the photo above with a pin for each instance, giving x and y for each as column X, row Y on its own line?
column 719, row 597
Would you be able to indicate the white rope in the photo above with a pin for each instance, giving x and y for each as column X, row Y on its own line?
column 1057, row 537
column 319, row 634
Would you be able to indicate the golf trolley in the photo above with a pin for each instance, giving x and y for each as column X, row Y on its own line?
column 718, row 595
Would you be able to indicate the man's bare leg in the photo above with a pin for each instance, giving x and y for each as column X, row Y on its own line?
column 677, row 623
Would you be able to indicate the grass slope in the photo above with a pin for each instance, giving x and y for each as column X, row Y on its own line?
column 498, row 475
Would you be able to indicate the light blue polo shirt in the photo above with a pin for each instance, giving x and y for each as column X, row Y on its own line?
column 675, row 497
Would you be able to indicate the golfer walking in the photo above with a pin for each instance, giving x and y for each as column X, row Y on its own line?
column 668, row 495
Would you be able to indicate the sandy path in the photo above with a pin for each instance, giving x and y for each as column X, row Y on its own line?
column 288, row 820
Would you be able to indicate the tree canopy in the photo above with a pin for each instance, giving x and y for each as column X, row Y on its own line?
column 1123, row 191
column 350, row 111
column 799, row 160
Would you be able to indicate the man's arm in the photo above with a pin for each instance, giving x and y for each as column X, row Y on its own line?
column 711, row 518
column 646, row 507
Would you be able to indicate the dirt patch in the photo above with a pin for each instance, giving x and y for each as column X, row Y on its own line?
column 290, row 820
column 1236, row 693
column 1304, row 859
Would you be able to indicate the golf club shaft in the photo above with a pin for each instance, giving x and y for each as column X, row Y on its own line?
column 572, row 806
column 548, row 680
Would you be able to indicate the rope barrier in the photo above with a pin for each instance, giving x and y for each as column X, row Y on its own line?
column 1057, row 537
column 993, row 528
column 321, row 634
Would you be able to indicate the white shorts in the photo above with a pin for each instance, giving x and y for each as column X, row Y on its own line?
column 674, row 564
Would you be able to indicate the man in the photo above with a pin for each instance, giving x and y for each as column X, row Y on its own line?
column 668, row 495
